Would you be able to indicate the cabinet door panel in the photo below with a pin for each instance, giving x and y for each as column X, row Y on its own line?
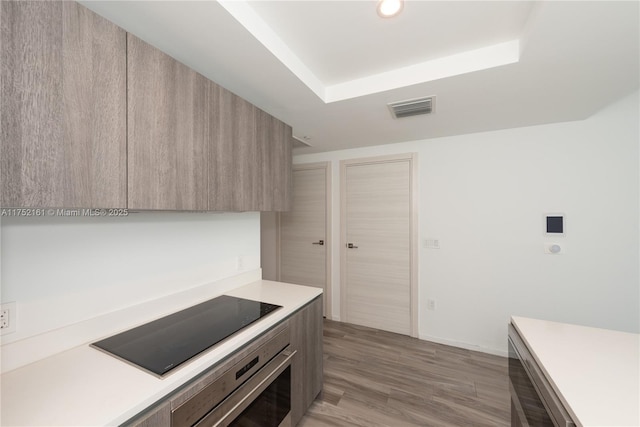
column 167, row 154
column 266, row 127
column 220, row 153
column 245, row 160
column 275, row 163
column 158, row 417
column 63, row 107
column 250, row 156
column 283, row 169
column 306, row 368
column 233, row 161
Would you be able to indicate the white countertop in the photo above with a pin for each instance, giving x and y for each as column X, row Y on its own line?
column 595, row 372
column 86, row 387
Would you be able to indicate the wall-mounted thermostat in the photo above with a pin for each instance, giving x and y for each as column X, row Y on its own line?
column 554, row 224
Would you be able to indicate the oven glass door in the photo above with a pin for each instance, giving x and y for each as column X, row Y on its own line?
column 526, row 406
column 271, row 408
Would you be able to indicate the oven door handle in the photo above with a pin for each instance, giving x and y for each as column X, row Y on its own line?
column 239, row 400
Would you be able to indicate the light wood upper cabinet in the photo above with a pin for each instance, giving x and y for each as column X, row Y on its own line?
column 232, row 152
column 274, row 148
column 167, row 127
column 265, row 126
column 63, row 107
column 93, row 117
column 249, row 156
column 282, row 164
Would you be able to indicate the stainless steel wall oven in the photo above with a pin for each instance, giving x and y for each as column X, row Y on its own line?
column 533, row 400
column 256, row 391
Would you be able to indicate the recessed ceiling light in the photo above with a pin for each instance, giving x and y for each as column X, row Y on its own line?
column 389, row 8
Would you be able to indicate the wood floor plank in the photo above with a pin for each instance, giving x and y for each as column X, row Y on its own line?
column 378, row 378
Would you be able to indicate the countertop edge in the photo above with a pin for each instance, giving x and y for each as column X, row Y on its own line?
column 94, row 387
column 580, row 403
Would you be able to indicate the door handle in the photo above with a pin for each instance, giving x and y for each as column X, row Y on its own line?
column 319, row 242
column 351, row 246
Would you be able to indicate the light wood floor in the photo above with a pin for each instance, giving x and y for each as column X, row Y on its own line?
column 376, row 378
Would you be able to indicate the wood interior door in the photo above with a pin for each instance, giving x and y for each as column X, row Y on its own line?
column 378, row 289
column 304, row 249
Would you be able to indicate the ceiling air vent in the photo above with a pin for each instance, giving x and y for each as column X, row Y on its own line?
column 412, row 107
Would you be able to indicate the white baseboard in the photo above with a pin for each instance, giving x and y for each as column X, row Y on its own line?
column 466, row 346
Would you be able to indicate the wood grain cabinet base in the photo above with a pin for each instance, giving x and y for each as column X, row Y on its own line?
column 63, row 106
column 306, row 369
column 305, row 328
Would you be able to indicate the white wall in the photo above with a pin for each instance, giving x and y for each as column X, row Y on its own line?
column 484, row 195
column 65, row 270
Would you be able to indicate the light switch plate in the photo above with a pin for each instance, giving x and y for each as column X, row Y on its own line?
column 431, row 243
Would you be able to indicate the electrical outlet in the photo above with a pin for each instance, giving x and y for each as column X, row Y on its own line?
column 239, row 263
column 7, row 318
column 431, row 304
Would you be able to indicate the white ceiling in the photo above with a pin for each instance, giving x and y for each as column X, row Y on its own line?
column 342, row 41
column 329, row 68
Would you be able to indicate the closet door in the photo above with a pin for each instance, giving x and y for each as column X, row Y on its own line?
column 167, row 147
column 378, row 252
column 304, row 252
column 63, row 107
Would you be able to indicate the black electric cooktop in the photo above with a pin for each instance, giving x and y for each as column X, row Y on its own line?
column 163, row 344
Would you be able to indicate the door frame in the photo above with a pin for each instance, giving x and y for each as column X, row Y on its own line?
column 327, row 226
column 413, row 229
